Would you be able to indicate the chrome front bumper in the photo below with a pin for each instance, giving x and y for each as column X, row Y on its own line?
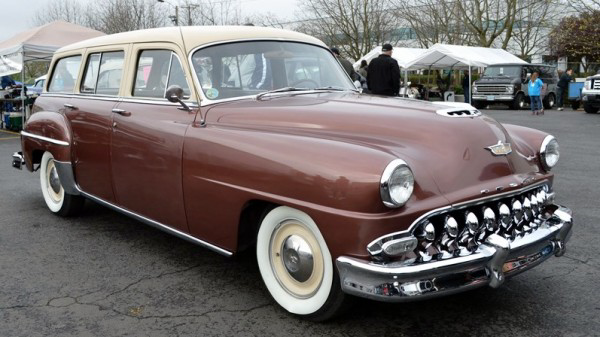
column 496, row 97
column 493, row 261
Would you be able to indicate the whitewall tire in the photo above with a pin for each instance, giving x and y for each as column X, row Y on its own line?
column 57, row 200
column 296, row 265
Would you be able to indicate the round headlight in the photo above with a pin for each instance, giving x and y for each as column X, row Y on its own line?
column 549, row 152
column 397, row 183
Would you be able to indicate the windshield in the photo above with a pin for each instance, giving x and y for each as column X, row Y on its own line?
column 250, row 68
column 507, row 71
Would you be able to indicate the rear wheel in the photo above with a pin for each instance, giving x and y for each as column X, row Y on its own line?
column 296, row 266
column 519, row 102
column 590, row 109
column 575, row 105
column 57, row 200
column 549, row 101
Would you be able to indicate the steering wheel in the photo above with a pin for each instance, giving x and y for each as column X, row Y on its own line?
column 307, row 80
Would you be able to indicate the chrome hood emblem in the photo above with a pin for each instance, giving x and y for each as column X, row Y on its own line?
column 500, row 149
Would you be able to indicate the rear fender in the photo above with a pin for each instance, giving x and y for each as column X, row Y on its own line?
column 46, row 131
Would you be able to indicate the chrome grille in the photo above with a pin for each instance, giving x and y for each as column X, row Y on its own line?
column 596, row 84
column 459, row 232
column 495, row 89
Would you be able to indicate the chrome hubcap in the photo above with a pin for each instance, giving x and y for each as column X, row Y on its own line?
column 54, row 180
column 298, row 258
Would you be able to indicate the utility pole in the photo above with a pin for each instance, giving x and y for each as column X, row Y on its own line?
column 189, row 8
column 174, row 18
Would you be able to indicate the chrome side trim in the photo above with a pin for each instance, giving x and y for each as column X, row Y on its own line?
column 46, row 139
column 66, row 177
column 132, row 99
column 158, row 225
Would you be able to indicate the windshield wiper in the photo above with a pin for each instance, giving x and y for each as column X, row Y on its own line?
column 285, row 89
column 335, row 89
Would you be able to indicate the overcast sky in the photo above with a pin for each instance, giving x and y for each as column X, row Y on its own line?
column 16, row 15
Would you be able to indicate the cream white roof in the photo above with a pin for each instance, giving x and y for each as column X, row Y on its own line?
column 193, row 36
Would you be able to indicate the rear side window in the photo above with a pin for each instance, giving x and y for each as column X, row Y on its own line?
column 64, row 74
column 103, row 73
column 156, row 71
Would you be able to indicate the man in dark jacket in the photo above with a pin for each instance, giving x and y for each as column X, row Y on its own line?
column 562, row 87
column 345, row 63
column 383, row 74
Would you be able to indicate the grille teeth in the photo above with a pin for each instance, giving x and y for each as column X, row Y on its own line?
column 457, row 233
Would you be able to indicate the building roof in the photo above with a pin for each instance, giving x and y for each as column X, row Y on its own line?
column 193, row 36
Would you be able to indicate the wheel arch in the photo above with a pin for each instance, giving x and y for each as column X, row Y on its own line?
column 46, row 131
column 251, row 216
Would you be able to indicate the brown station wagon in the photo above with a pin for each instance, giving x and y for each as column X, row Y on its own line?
column 248, row 137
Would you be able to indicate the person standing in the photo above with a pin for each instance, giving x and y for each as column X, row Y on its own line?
column 534, row 89
column 562, row 87
column 345, row 63
column 383, row 73
column 363, row 68
column 466, row 86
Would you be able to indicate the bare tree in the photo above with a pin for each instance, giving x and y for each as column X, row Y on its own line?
column 489, row 20
column 432, row 21
column 354, row 26
column 584, row 5
column 65, row 10
column 210, row 12
column 115, row 16
column 534, row 21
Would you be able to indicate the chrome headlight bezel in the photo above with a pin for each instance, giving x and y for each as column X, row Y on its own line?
column 510, row 89
column 587, row 85
column 390, row 197
column 549, row 148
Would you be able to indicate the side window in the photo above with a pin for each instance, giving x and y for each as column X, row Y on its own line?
column 177, row 76
column 90, row 77
column 156, row 71
column 103, row 73
column 64, row 74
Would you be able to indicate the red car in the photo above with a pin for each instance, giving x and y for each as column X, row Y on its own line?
column 255, row 138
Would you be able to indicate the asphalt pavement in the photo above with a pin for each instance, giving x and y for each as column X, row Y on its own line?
column 104, row 274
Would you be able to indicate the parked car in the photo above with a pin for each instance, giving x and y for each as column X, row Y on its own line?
column 339, row 194
column 38, row 86
column 590, row 94
column 507, row 83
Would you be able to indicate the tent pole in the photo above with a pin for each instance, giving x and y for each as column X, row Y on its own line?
column 405, row 82
column 23, row 87
column 469, row 88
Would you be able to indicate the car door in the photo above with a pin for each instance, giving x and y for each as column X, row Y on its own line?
column 90, row 115
column 147, row 138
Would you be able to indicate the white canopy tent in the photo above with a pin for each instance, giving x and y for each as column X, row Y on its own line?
column 39, row 44
column 446, row 56
column 402, row 55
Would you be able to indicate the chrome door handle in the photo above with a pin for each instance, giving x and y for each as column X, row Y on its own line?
column 69, row 106
column 121, row 112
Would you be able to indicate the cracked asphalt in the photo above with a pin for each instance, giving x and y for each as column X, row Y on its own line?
column 103, row 274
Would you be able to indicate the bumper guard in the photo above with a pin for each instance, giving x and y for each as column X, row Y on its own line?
column 493, row 261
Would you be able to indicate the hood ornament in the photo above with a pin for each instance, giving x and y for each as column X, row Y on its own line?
column 500, row 149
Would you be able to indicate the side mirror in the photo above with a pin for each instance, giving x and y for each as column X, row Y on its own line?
column 174, row 94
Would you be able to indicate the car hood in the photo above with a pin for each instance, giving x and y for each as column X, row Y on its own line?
column 453, row 151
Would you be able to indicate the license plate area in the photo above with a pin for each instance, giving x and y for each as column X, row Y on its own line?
column 491, row 98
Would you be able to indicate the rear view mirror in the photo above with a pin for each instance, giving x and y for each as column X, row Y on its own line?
column 174, row 94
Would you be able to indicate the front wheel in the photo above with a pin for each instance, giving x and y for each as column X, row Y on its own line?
column 296, row 266
column 519, row 102
column 549, row 101
column 590, row 109
column 58, row 201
